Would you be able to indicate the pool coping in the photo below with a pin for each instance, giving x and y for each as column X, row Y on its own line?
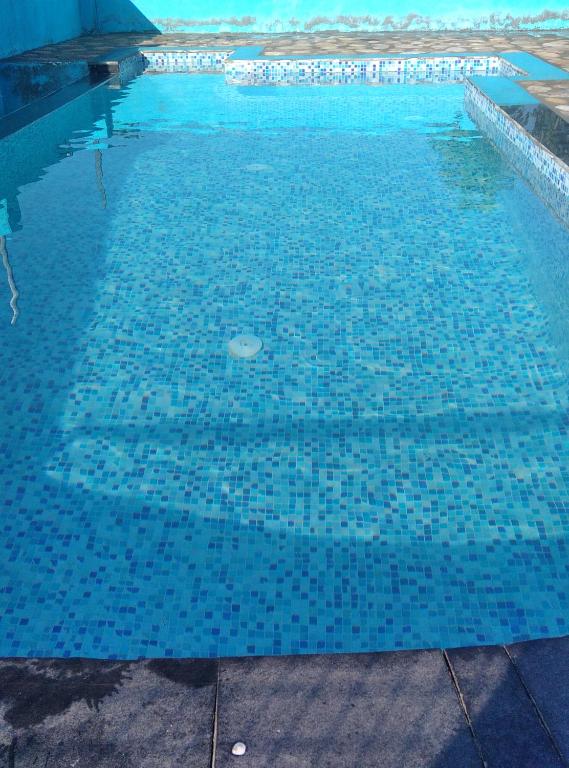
column 491, row 706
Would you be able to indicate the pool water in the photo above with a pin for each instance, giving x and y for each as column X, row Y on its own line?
column 390, row 470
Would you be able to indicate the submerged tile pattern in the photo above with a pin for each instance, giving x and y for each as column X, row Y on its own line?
column 247, row 66
column 390, row 471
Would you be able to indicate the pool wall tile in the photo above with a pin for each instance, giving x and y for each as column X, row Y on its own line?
column 161, row 60
column 249, row 67
column 371, row 71
column 546, row 173
column 22, row 82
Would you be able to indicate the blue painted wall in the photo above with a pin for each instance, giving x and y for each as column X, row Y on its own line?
column 121, row 16
column 312, row 15
column 87, row 15
column 26, row 24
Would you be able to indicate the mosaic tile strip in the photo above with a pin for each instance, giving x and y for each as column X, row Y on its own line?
column 161, row 60
column 547, row 174
column 22, row 82
column 247, row 66
column 372, row 71
column 130, row 67
column 509, row 69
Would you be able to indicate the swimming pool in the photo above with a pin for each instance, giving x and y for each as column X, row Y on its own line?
column 389, row 471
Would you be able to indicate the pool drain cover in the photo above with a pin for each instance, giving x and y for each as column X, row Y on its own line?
column 244, row 347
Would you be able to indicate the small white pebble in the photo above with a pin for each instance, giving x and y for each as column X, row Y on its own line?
column 238, row 748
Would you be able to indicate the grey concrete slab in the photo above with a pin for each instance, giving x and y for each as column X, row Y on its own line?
column 544, row 667
column 93, row 714
column 504, row 718
column 388, row 710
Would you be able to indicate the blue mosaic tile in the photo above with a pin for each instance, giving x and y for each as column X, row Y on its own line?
column 547, row 173
column 370, row 70
column 184, row 60
column 248, row 66
column 130, row 67
column 390, row 471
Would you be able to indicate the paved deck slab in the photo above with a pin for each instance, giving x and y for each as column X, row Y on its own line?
column 389, row 710
column 544, row 668
column 550, row 46
column 503, row 716
column 384, row 710
column 89, row 714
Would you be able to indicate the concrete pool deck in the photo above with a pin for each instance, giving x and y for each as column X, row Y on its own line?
column 499, row 707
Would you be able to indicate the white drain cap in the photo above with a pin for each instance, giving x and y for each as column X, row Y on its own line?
column 244, row 347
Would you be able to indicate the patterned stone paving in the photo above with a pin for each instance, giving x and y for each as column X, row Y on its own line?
column 554, row 93
column 552, row 47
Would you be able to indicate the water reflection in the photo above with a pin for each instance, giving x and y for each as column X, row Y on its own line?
column 100, row 177
column 28, row 151
column 11, row 281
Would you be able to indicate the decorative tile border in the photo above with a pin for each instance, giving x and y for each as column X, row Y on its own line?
column 161, row 60
column 372, row 71
column 257, row 70
column 247, row 66
column 547, row 174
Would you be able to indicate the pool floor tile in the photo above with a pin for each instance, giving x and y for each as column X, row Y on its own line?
column 361, row 484
column 384, row 710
